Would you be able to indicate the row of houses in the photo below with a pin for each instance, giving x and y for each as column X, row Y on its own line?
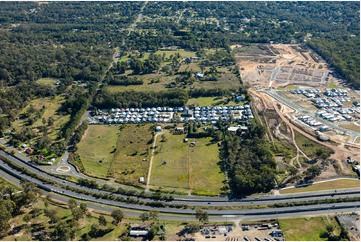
column 167, row 115
column 336, row 92
column 310, row 121
column 333, row 117
column 305, row 91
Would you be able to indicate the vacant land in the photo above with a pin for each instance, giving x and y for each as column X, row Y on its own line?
column 97, row 148
column 351, row 126
column 178, row 69
column 308, row 146
column 177, row 165
column 131, row 158
column 211, row 101
column 41, row 223
column 307, row 229
column 338, row 184
column 279, row 65
column 46, row 107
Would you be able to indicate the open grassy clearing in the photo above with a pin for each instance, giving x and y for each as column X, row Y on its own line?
column 332, row 85
column 308, row 146
column 47, row 81
column 338, row 184
column 163, row 81
column 186, row 167
column 290, row 87
column 98, row 144
column 50, row 105
column 183, row 53
column 41, row 223
column 307, row 229
column 211, row 101
column 131, row 158
column 158, row 82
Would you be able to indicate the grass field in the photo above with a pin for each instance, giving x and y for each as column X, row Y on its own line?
column 98, row 144
column 47, row 81
column 41, row 223
column 308, row 146
column 193, row 168
column 332, row 85
column 290, row 87
column 131, row 159
column 158, row 81
column 51, row 105
column 307, row 229
column 338, row 184
column 210, row 101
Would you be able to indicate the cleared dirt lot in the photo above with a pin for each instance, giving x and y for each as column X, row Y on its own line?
column 280, row 64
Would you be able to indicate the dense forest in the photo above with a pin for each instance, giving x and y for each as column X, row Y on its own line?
column 250, row 162
column 69, row 41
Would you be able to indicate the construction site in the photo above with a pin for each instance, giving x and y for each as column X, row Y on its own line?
column 275, row 74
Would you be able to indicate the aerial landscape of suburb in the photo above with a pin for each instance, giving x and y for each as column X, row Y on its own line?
column 180, row 121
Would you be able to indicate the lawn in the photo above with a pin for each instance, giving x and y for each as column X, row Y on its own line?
column 131, row 159
column 307, row 229
column 332, row 85
column 98, row 144
column 308, row 146
column 188, row 168
column 338, row 184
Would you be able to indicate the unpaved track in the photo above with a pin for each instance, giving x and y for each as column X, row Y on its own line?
column 151, row 161
column 340, row 151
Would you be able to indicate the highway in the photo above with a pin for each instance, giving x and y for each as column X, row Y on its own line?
column 261, row 200
column 214, row 215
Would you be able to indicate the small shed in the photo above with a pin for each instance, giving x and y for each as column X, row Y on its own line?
column 158, row 128
column 141, row 179
column 138, row 233
column 233, row 129
column 179, row 130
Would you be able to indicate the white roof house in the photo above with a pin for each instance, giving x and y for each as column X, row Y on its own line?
column 233, row 129
column 137, row 233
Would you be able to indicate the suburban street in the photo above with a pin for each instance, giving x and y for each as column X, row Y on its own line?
column 300, row 110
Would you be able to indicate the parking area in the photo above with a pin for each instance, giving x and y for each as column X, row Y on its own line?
column 352, row 223
column 244, row 232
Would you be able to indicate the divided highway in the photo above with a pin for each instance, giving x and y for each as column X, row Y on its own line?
column 215, row 215
column 310, row 209
column 261, row 200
